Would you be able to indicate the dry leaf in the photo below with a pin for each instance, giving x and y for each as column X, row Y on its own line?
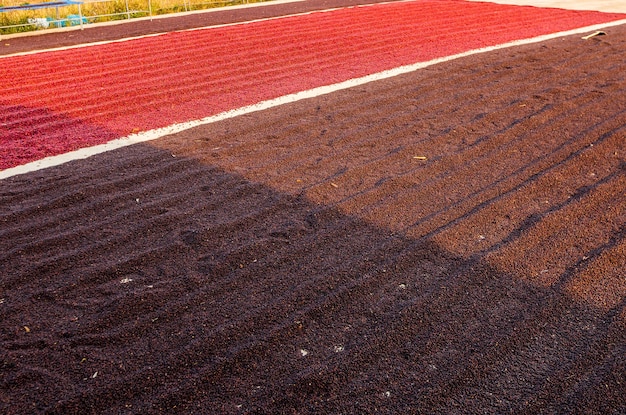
column 599, row 33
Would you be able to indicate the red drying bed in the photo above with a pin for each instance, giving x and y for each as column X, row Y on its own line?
column 54, row 102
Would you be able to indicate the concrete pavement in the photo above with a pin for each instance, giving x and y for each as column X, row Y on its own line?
column 610, row 6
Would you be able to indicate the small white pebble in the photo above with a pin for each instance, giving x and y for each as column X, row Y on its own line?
column 94, row 375
column 304, row 352
column 387, row 394
column 402, row 286
column 125, row 280
column 339, row 349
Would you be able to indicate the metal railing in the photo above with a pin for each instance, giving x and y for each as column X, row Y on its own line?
column 76, row 15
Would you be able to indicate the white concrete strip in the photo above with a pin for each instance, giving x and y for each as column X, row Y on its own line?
column 127, row 39
column 287, row 99
column 607, row 6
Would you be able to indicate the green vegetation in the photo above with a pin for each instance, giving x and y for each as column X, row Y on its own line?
column 98, row 11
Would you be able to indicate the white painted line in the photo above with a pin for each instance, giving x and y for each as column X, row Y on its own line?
column 194, row 29
column 286, row 99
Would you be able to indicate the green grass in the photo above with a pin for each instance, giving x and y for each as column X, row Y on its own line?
column 100, row 11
